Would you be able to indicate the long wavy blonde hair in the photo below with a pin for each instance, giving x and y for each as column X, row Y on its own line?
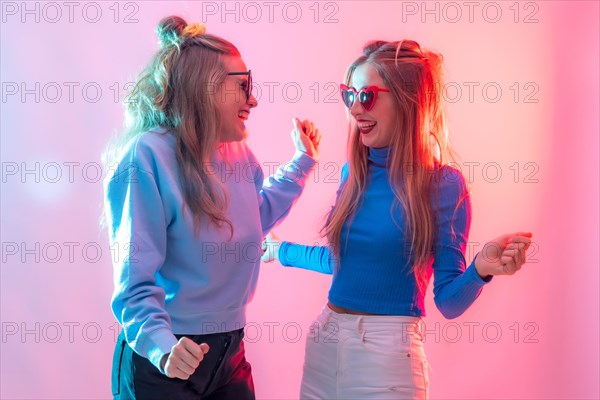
column 418, row 147
column 176, row 91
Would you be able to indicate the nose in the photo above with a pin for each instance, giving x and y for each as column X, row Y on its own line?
column 252, row 102
column 356, row 108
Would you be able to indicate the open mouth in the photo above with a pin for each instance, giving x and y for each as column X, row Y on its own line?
column 243, row 115
column 366, row 126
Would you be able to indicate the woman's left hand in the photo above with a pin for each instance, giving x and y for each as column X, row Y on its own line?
column 504, row 255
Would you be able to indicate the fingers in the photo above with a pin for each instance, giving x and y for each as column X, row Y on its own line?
column 525, row 234
column 175, row 368
column 305, row 127
column 518, row 251
column 520, row 239
column 192, row 348
column 513, row 259
column 205, row 347
column 309, row 128
column 317, row 138
column 508, row 265
column 266, row 257
column 263, row 246
column 515, row 236
column 270, row 248
column 306, row 137
column 184, row 358
column 189, row 352
column 526, row 240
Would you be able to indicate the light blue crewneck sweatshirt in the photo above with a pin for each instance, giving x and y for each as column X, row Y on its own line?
column 170, row 281
column 374, row 272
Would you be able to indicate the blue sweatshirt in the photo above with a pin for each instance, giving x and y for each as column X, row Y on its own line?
column 168, row 280
column 374, row 273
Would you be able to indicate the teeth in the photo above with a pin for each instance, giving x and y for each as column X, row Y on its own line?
column 366, row 126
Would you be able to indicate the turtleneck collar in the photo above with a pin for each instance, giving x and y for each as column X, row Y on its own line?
column 379, row 156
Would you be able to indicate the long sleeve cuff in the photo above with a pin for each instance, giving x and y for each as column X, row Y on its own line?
column 301, row 161
column 474, row 276
column 156, row 345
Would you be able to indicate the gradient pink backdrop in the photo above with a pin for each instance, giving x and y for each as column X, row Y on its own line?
column 541, row 326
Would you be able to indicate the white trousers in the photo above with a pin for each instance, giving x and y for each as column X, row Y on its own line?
column 365, row 357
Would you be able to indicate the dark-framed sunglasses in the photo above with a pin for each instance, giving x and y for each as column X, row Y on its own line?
column 366, row 96
column 248, row 88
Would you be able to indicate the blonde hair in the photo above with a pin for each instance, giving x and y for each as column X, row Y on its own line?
column 176, row 91
column 418, row 146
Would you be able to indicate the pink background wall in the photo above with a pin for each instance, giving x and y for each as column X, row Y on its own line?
column 528, row 131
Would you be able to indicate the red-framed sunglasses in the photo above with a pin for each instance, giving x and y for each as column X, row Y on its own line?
column 366, row 96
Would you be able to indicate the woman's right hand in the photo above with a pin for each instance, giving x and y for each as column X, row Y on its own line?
column 270, row 247
column 504, row 255
column 306, row 137
column 184, row 358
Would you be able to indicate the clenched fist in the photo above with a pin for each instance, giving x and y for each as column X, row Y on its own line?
column 184, row 358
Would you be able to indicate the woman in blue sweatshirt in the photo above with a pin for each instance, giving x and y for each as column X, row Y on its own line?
column 401, row 215
column 187, row 209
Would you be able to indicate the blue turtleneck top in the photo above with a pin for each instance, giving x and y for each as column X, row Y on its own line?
column 375, row 269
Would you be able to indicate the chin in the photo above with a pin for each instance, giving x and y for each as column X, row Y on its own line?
column 366, row 141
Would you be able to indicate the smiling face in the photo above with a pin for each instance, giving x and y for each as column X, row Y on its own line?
column 376, row 125
column 233, row 108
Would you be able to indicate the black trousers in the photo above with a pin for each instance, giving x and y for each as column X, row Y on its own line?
column 224, row 372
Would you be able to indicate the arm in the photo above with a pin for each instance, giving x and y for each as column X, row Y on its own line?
column 136, row 223
column 277, row 194
column 455, row 287
column 313, row 258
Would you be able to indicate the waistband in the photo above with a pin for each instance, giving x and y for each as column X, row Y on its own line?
column 387, row 321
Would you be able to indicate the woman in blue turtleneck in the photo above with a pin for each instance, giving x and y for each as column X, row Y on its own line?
column 400, row 216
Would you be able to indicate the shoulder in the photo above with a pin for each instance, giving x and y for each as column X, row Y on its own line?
column 449, row 181
column 149, row 150
column 157, row 143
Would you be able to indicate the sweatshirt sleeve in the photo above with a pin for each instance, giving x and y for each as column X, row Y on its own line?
column 455, row 287
column 313, row 258
column 137, row 228
column 279, row 192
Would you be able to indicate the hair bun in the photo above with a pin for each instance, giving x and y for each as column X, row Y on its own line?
column 193, row 29
column 169, row 31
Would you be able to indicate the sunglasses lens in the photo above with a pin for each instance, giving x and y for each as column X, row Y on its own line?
column 367, row 99
column 348, row 97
